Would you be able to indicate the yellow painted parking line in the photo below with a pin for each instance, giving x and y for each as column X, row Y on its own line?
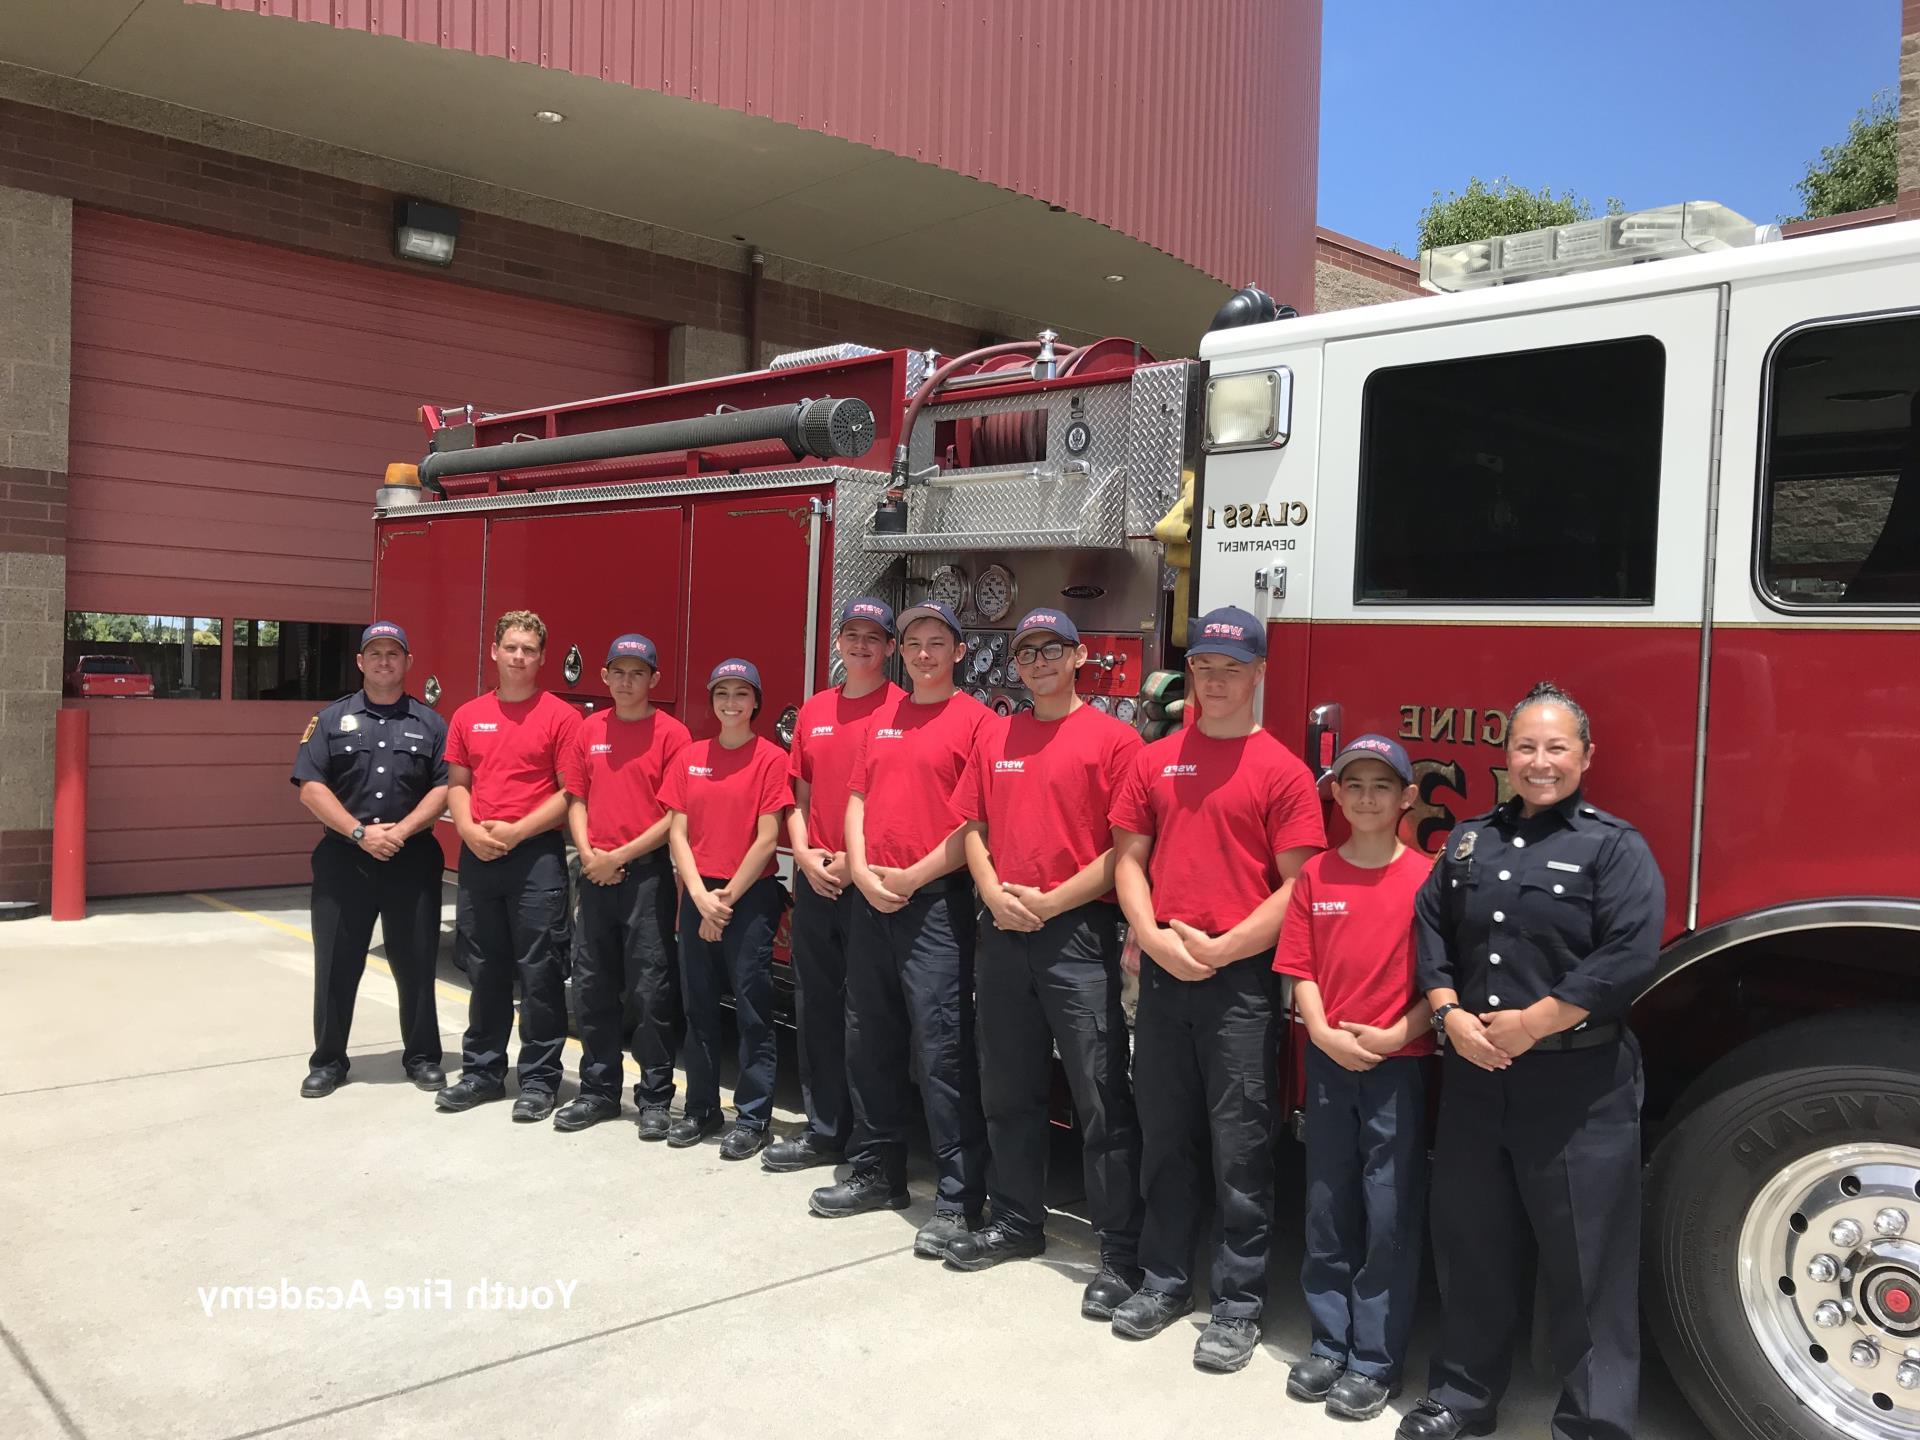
column 570, row 1054
column 440, row 987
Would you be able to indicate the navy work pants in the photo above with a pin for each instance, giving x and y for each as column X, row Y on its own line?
column 1366, row 1166
column 821, row 930
column 910, row 997
column 351, row 890
column 1059, row 986
column 626, row 982
column 1550, row 1145
column 511, row 922
column 740, row 960
column 1203, row 1065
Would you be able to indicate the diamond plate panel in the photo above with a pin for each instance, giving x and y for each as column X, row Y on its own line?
column 1156, row 427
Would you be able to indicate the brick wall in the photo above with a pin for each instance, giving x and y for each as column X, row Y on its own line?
column 36, row 315
column 1349, row 272
column 1909, row 129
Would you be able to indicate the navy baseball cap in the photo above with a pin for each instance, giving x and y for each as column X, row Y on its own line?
column 867, row 607
column 931, row 610
column 1046, row 622
column 1375, row 747
column 634, row 647
column 736, row 670
column 384, row 630
column 1228, row 631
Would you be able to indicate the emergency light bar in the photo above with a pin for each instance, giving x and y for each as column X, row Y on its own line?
column 1693, row 227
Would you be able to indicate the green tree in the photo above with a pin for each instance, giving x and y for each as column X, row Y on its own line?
column 1860, row 172
column 1482, row 211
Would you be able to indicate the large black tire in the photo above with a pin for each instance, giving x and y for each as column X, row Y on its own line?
column 1807, row 1088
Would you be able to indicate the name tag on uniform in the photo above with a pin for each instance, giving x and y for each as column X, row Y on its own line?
column 1563, row 865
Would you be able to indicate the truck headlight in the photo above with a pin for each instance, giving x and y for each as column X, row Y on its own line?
column 1250, row 411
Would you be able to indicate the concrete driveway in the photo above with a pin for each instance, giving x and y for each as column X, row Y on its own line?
column 165, row 1185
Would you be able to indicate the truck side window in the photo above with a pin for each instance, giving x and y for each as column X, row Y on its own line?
column 1840, row 483
column 1531, row 477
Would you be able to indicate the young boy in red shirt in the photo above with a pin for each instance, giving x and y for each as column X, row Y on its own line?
column 727, row 796
column 506, row 752
column 910, row 963
column 1208, row 834
column 1035, row 796
column 626, row 958
column 825, row 739
column 1348, row 944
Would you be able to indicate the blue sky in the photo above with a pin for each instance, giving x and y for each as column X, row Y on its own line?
column 1653, row 102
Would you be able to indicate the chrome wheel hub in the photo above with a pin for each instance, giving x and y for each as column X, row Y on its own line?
column 1830, row 1282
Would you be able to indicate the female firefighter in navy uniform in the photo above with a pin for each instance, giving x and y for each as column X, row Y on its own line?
column 1536, row 929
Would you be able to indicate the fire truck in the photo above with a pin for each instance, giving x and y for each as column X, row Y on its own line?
column 1663, row 459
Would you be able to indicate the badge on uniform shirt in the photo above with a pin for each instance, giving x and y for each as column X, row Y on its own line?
column 349, row 723
column 1465, row 847
column 312, row 725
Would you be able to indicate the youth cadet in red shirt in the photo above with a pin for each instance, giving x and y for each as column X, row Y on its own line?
column 625, row 966
column 910, row 964
column 824, row 740
column 727, row 795
column 1348, row 944
column 505, row 754
column 1209, row 833
column 1036, row 795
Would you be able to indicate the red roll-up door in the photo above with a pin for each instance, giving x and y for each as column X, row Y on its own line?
column 234, row 405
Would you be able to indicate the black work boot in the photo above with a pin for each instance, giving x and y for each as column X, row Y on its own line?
column 868, row 1188
column 743, row 1142
column 467, row 1092
column 426, row 1075
column 692, row 1129
column 656, row 1122
column 585, row 1111
column 1145, row 1313
column 1430, row 1420
column 1107, row 1291
column 1227, row 1344
column 803, row 1152
column 1310, row 1379
column 1359, row 1397
column 989, row 1246
column 321, row 1082
column 533, row 1105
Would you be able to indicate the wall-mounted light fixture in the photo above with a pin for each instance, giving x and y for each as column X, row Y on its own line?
column 424, row 231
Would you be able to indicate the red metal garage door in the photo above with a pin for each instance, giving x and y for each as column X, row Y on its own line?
column 233, row 407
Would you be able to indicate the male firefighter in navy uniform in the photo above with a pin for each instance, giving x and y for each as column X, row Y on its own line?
column 373, row 770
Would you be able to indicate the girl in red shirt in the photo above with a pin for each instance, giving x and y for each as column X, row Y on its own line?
column 727, row 796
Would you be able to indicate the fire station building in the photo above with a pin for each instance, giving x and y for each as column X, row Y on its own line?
column 241, row 241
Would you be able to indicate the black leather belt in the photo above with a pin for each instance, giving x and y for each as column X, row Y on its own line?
column 949, row 884
column 1584, row 1038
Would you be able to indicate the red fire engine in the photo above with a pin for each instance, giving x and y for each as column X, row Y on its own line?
column 1689, row 491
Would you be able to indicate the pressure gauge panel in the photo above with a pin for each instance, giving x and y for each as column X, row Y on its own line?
column 993, row 593
column 1102, row 704
column 948, row 585
column 1125, row 710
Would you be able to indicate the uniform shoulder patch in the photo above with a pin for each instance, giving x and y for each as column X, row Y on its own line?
column 312, row 725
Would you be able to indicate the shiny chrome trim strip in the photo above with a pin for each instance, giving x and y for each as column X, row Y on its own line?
column 1875, row 912
column 1696, row 839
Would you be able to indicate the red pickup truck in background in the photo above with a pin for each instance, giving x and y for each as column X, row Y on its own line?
column 110, row 675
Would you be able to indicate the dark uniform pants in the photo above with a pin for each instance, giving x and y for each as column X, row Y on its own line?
column 1059, row 985
column 742, row 961
column 1203, row 1065
column 626, row 982
column 1552, row 1144
column 351, row 888
column 821, row 929
column 910, row 991
column 511, row 919
column 1366, row 1162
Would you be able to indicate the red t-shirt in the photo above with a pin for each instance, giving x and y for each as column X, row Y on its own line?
column 1219, row 811
column 616, row 767
column 825, row 740
column 908, row 763
column 1044, row 788
column 1350, row 931
column 516, row 749
column 723, row 793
